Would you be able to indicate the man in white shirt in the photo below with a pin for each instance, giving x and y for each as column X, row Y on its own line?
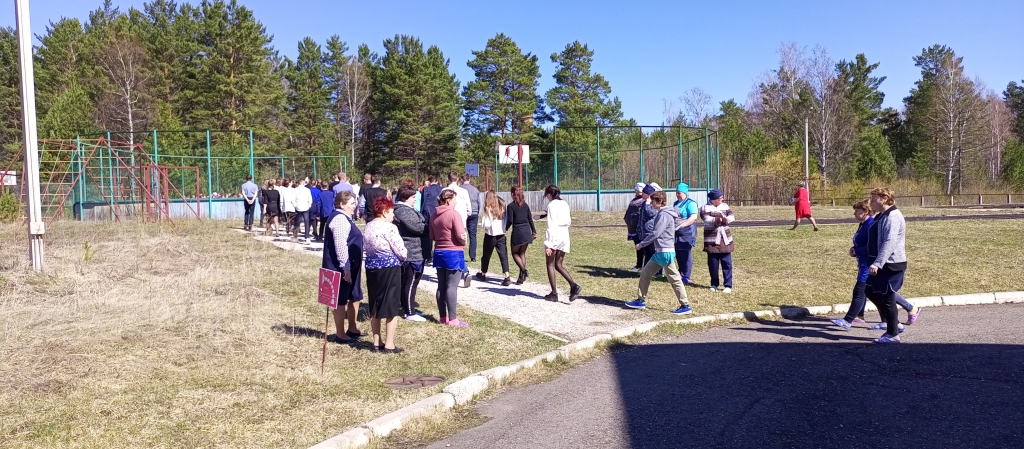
column 462, row 201
column 302, row 200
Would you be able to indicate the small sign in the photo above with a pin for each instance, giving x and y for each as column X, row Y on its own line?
column 510, row 154
column 329, row 287
column 10, row 178
column 473, row 170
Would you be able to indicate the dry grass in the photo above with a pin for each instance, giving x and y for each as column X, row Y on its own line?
column 191, row 335
column 776, row 267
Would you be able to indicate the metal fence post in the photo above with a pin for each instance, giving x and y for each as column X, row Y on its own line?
column 252, row 157
column 643, row 178
column 599, row 169
column 209, row 178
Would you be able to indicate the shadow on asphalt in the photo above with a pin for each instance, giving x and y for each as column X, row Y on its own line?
column 821, row 395
column 605, row 272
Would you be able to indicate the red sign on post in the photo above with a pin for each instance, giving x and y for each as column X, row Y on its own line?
column 329, row 287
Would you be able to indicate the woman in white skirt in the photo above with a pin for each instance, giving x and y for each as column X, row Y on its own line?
column 556, row 243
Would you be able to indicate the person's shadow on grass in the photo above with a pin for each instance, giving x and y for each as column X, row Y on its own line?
column 606, row 272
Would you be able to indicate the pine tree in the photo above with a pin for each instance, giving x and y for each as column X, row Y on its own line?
column 1014, row 97
column 414, row 104
column 501, row 102
column 581, row 98
column 309, row 99
column 872, row 157
column 58, row 67
column 233, row 84
column 10, row 95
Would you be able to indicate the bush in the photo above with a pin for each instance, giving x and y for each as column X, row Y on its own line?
column 10, row 208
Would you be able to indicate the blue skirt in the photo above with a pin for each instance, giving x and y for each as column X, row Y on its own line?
column 450, row 259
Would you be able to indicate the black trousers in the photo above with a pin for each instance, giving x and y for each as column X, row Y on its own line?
column 471, row 223
column 411, row 275
column 492, row 243
column 323, row 227
column 299, row 217
column 250, row 209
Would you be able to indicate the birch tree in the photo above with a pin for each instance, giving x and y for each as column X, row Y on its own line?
column 956, row 120
column 124, row 100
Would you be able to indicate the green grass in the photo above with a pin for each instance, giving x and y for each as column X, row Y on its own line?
column 774, row 267
column 192, row 335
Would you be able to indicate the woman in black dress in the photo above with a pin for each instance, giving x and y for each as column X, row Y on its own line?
column 520, row 219
column 271, row 207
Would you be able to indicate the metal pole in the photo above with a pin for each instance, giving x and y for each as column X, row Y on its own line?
column 252, row 157
column 642, row 178
column 209, row 178
column 556, row 156
column 807, row 155
column 599, row 169
column 314, row 167
column 497, row 157
column 154, row 176
column 679, row 157
column 81, row 176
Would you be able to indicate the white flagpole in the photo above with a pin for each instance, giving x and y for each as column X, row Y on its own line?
column 36, row 228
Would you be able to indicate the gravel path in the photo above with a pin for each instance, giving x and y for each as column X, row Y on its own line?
column 522, row 304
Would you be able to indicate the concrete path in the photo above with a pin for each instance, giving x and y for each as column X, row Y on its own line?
column 956, row 381
column 522, row 304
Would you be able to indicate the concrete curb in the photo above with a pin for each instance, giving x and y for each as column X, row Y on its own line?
column 465, row 390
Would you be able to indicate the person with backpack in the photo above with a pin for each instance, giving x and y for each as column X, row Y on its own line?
column 686, row 230
column 632, row 218
column 662, row 239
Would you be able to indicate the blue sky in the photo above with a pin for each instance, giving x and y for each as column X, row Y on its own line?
column 655, row 50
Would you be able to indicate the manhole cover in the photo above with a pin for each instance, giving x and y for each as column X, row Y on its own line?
column 407, row 382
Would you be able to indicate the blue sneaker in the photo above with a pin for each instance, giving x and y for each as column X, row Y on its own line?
column 682, row 310
column 842, row 323
column 638, row 304
column 886, row 339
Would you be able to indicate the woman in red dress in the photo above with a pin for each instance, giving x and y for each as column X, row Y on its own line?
column 802, row 203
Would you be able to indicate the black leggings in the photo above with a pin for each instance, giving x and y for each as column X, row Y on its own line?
column 491, row 243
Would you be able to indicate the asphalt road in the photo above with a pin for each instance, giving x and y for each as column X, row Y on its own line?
column 956, row 381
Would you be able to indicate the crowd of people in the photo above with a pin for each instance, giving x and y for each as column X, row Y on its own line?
column 410, row 227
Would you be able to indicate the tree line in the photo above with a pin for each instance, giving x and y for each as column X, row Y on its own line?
column 213, row 66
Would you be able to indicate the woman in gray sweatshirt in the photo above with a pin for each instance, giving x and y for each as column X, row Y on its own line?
column 887, row 247
column 663, row 240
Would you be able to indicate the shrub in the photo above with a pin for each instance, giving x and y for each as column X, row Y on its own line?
column 10, row 207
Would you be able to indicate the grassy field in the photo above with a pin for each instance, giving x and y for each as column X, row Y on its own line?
column 774, row 267
column 841, row 211
column 192, row 335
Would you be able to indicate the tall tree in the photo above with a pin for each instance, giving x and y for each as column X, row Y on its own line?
column 580, row 97
column 999, row 123
column 309, row 100
column 10, row 95
column 501, row 101
column 778, row 101
column 955, row 123
column 861, row 89
column 233, row 83
column 414, row 104
column 1014, row 97
column 917, row 104
column 829, row 115
column 123, row 86
column 170, row 36
column 872, row 158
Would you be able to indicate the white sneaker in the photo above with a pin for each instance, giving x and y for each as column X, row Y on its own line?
column 727, row 290
column 416, row 318
column 714, row 289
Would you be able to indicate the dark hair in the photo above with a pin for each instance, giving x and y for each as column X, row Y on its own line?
column 404, row 193
column 343, row 198
column 453, row 177
column 375, row 178
column 552, row 190
column 517, row 195
column 324, row 185
column 445, row 196
column 432, row 179
column 409, row 183
column 248, row 177
column 658, row 197
column 381, row 205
